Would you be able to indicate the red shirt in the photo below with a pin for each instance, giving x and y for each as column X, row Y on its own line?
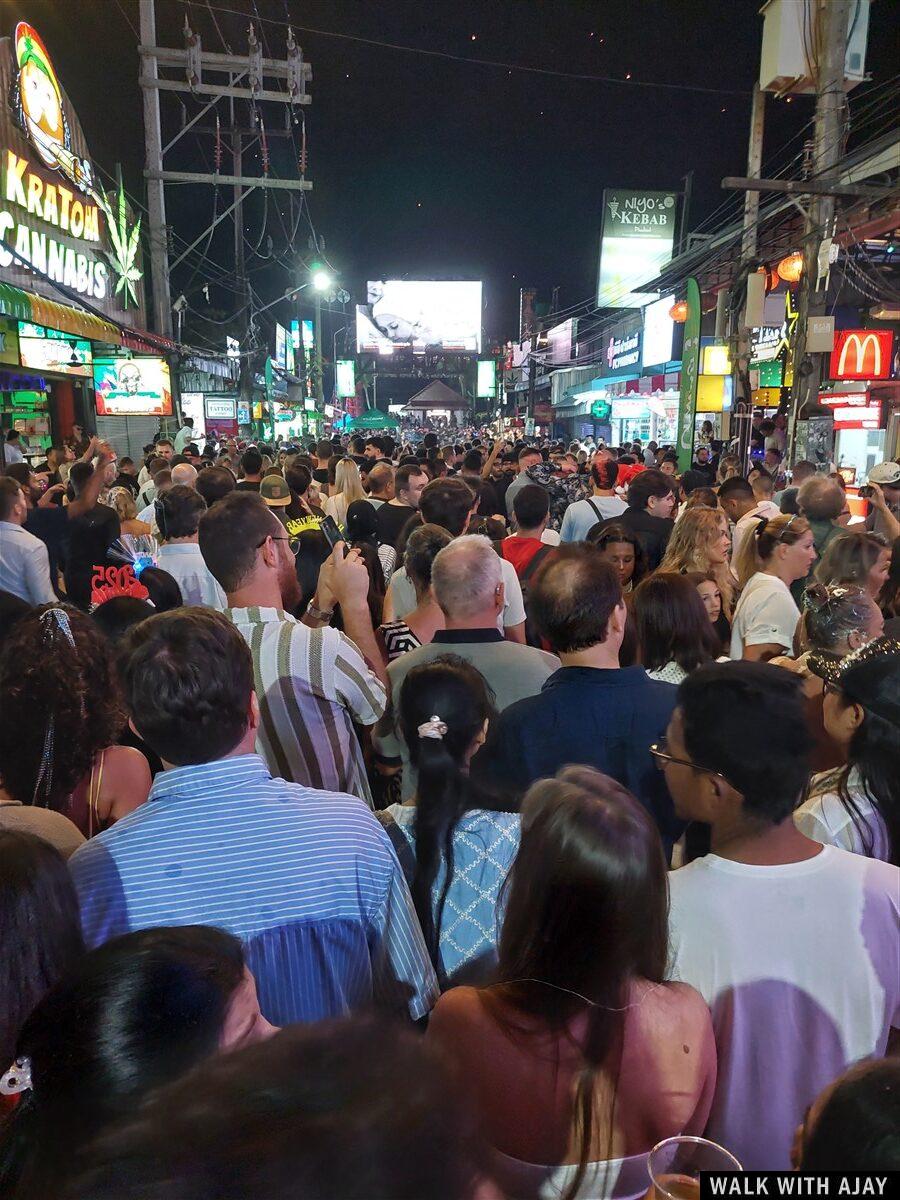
column 520, row 551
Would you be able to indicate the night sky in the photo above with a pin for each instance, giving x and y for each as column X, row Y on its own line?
column 430, row 168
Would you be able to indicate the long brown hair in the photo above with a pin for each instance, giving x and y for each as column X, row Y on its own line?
column 696, row 530
column 586, row 916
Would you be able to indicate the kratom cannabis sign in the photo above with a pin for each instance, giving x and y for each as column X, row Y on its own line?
column 57, row 222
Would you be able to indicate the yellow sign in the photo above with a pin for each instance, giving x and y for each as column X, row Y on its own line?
column 710, row 393
column 716, row 361
column 767, row 397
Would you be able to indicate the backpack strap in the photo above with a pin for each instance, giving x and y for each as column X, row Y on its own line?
column 536, row 559
column 600, row 516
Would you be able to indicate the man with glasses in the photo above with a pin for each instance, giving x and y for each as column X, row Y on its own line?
column 313, row 682
column 795, row 946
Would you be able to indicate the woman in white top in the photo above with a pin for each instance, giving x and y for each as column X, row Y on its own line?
column 582, row 1057
column 858, row 806
column 780, row 550
column 347, row 488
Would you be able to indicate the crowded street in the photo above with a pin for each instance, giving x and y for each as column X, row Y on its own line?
column 449, row 729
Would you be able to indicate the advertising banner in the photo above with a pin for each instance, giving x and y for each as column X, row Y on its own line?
column 345, row 378
column 487, row 379
column 636, row 238
column 58, row 225
column 622, row 351
column 862, row 354
column 419, row 314
column 132, row 387
column 690, row 373
column 659, row 333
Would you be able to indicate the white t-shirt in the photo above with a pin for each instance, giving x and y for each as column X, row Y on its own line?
column 404, row 595
column 766, row 612
column 825, row 819
column 800, row 966
column 748, row 523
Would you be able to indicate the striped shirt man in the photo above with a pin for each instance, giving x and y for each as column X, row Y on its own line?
column 312, row 684
column 307, row 880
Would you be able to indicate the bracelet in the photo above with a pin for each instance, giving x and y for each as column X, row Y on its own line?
column 318, row 614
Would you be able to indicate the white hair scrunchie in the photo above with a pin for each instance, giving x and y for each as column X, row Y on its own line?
column 434, row 727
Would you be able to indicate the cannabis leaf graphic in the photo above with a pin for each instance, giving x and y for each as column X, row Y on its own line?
column 125, row 247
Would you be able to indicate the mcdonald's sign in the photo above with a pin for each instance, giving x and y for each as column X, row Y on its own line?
column 862, row 354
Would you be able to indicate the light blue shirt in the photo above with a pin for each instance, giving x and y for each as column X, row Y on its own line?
column 24, row 565
column 307, row 880
column 485, row 845
column 581, row 517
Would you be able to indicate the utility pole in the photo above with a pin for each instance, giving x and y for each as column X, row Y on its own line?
column 831, row 20
column 240, row 268
column 320, row 385
column 251, row 78
column 742, row 408
column 156, row 200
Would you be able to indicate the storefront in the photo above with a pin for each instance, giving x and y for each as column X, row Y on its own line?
column 71, row 275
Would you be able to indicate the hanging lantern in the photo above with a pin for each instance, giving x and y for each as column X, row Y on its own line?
column 791, row 268
column 679, row 311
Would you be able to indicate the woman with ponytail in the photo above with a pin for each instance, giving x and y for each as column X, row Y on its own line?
column 779, row 551
column 454, row 846
column 582, row 1057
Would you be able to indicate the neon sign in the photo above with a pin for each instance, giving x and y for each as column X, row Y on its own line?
column 57, row 226
column 862, row 354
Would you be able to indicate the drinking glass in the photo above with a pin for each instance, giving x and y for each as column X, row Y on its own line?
column 676, row 1163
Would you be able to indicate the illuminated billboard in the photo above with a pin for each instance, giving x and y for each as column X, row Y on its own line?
column 49, row 350
column 659, row 333
column 345, row 378
column 420, row 314
column 132, row 387
column 487, row 379
column 636, row 237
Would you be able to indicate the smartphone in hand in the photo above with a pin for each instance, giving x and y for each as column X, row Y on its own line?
column 332, row 533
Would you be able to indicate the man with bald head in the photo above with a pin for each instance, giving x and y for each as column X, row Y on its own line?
column 591, row 711
column 381, row 484
column 184, row 475
column 467, row 580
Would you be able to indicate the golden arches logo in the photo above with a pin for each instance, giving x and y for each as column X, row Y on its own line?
column 861, row 345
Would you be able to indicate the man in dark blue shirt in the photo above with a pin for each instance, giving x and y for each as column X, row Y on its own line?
column 591, row 711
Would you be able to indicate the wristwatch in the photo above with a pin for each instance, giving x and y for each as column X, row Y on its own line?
column 319, row 614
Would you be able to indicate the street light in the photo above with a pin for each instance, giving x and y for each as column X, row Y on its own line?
column 321, row 281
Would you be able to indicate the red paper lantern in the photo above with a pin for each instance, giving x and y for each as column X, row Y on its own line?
column 679, row 311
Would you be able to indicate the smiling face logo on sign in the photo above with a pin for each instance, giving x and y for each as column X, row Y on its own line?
column 38, row 108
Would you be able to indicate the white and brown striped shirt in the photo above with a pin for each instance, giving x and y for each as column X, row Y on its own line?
column 312, row 684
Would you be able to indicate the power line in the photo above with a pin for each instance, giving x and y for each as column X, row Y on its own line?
column 482, row 62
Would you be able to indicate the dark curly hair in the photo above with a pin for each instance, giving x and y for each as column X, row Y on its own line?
column 43, row 678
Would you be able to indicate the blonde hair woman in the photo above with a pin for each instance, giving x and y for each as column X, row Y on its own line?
column 347, row 488
column 779, row 551
column 700, row 542
column 122, row 500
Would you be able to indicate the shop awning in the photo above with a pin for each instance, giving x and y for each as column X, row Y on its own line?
column 72, row 320
column 143, row 340
column 371, row 419
column 14, row 302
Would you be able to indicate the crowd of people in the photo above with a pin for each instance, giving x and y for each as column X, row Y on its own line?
column 448, row 818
